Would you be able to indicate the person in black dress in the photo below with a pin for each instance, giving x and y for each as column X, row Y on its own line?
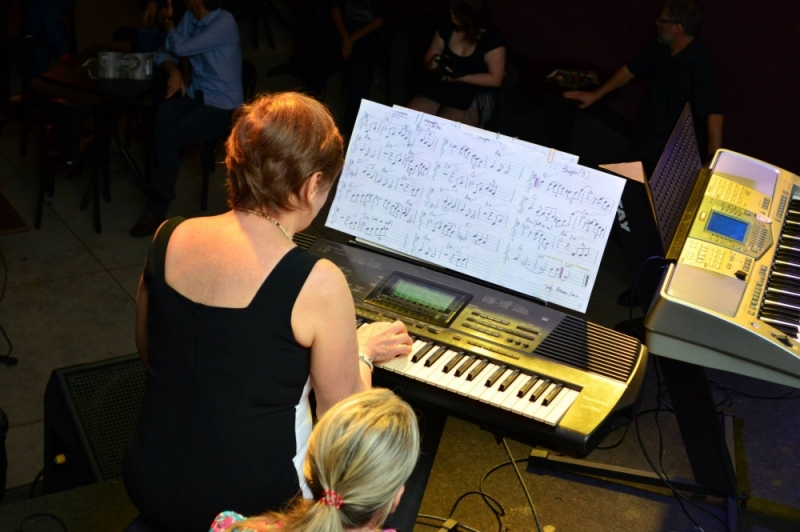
column 236, row 325
column 467, row 61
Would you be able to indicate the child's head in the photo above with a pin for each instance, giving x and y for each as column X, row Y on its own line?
column 362, row 451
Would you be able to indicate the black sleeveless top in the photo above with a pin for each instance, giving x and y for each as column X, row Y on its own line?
column 225, row 419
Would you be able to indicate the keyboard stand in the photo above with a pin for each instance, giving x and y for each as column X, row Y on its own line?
column 709, row 444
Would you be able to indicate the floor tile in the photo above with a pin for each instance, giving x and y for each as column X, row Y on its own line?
column 51, row 252
column 56, row 324
column 128, row 278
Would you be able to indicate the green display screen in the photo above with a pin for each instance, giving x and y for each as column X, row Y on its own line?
column 423, row 295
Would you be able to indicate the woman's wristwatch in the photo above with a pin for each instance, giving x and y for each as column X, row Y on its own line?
column 365, row 359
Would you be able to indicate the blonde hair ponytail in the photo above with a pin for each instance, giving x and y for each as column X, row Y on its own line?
column 363, row 449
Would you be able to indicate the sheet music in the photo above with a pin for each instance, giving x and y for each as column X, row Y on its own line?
column 475, row 203
column 504, row 139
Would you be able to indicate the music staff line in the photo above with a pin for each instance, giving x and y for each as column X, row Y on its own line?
column 394, row 209
column 467, row 209
column 584, row 195
column 383, row 127
column 547, row 266
column 455, row 258
column 551, row 218
column 457, row 233
column 382, row 231
column 474, row 185
column 371, row 174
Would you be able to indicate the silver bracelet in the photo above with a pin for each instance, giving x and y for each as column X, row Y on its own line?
column 363, row 358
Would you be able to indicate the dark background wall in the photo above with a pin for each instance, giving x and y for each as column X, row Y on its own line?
column 755, row 45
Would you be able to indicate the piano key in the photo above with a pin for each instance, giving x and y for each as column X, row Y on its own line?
column 780, row 314
column 788, row 328
column 509, row 380
column 422, row 352
column 494, row 389
column 407, row 363
column 555, row 415
column 553, row 394
column 511, row 393
column 788, row 306
column 499, row 372
column 782, row 293
column 450, row 381
column 439, row 377
column 474, row 387
column 539, row 390
column 544, row 410
column 533, row 406
column 464, row 384
column 471, row 359
column 521, row 404
column 431, row 360
column 453, row 362
column 526, row 388
column 474, row 372
column 428, row 372
column 419, row 366
column 391, row 364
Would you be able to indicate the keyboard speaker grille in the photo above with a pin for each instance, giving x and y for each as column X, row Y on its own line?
column 591, row 348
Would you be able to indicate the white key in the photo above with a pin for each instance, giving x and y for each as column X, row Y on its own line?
column 510, row 393
column 390, row 364
column 480, row 381
column 518, row 404
column 555, row 415
column 441, row 375
column 419, row 366
column 405, row 365
column 544, row 410
column 487, row 395
column 426, row 373
column 467, row 385
column 450, row 381
column 532, row 407
column 522, row 403
column 463, row 384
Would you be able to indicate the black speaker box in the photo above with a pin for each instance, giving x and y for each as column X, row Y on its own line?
column 89, row 412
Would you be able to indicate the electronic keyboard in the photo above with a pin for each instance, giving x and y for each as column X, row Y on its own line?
column 511, row 365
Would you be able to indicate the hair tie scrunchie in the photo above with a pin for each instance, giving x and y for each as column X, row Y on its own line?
column 331, row 498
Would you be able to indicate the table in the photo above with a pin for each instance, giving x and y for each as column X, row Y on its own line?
column 113, row 95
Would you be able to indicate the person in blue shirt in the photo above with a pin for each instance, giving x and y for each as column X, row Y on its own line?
column 208, row 38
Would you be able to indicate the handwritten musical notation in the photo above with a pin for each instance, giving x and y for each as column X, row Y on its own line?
column 507, row 211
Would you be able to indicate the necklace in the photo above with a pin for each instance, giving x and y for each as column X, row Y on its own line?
column 266, row 217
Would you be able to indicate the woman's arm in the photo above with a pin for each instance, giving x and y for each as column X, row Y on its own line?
column 142, row 298
column 324, row 319
column 436, row 48
column 496, row 62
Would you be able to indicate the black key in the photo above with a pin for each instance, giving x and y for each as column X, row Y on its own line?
column 496, row 375
column 527, row 386
column 453, row 362
column 477, row 369
column 509, row 380
column 435, row 356
column 465, row 366
column 359, row 322
column 540, row 390
column 782, row 305
column 552, row 395
column 422, row 352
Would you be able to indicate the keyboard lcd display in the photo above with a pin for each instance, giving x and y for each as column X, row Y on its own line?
column 727, row 226
column 423, row 295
